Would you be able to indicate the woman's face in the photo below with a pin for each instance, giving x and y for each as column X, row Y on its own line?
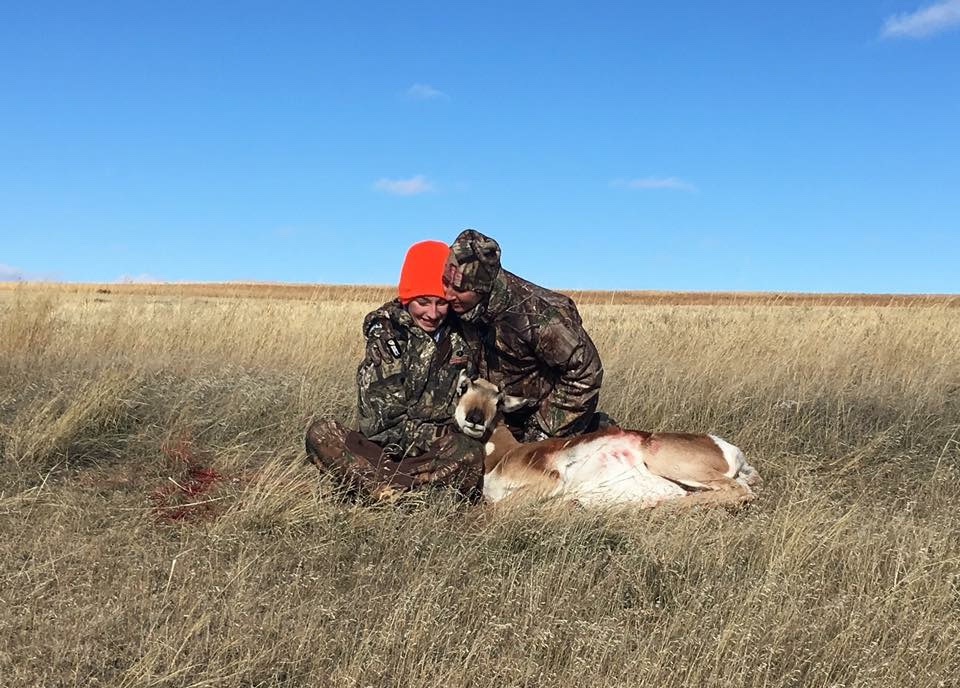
column 428, row 312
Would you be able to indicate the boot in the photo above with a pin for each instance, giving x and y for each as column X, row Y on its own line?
column 353, row 458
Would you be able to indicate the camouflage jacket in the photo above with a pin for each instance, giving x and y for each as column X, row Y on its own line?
column 535, row 347
column 407, row 381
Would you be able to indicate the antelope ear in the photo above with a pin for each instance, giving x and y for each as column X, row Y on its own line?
column 511, row 404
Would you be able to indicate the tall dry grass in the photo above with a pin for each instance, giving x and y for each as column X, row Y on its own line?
column 157, row 526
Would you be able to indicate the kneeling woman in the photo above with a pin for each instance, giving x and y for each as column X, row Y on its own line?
column 407, row 392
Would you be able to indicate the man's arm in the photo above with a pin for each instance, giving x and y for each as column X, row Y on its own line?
column 563, row 345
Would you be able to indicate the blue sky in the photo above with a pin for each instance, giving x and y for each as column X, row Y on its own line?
column 809, row 146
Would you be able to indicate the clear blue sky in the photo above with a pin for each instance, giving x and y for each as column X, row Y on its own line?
column 799, row 146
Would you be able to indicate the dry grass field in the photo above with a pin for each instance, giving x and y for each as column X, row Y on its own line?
column 158, row 526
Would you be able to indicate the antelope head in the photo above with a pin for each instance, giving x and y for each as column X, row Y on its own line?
column 481, row 406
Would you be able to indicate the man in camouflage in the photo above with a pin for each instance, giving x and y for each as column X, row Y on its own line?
column 534, row 342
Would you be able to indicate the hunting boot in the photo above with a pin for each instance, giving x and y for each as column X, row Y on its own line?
column 353, row 458
column 325, row 443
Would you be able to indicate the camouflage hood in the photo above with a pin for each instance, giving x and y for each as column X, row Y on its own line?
column 474, row 262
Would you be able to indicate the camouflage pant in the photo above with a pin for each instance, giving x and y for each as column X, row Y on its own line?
column 453, row 461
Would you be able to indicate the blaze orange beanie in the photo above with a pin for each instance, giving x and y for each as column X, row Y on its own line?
column 422, row 272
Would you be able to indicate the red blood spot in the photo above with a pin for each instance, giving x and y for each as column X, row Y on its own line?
column 187, row 496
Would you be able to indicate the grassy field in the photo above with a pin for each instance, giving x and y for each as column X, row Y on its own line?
column 158, row 526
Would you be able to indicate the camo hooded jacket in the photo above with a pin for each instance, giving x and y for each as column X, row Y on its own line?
column 535, row 347
column 407, row 382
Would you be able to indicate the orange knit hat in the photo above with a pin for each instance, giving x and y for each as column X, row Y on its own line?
column 422, row 272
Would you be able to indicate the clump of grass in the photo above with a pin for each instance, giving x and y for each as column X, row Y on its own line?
column 89, row 422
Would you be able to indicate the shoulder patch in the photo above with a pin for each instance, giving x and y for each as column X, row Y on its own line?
column 394, row 347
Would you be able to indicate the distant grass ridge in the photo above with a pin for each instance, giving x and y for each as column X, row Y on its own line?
column 380, row 294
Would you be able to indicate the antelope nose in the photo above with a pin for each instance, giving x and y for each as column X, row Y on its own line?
column 474, row 416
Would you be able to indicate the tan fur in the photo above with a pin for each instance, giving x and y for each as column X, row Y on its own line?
column 503, row 441
column 691, row 460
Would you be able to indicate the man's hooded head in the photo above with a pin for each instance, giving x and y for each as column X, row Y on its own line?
column 474, row 262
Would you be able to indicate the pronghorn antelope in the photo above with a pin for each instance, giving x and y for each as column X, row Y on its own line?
column 605, row 467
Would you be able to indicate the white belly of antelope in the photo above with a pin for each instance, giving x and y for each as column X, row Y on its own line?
column 606, row 470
